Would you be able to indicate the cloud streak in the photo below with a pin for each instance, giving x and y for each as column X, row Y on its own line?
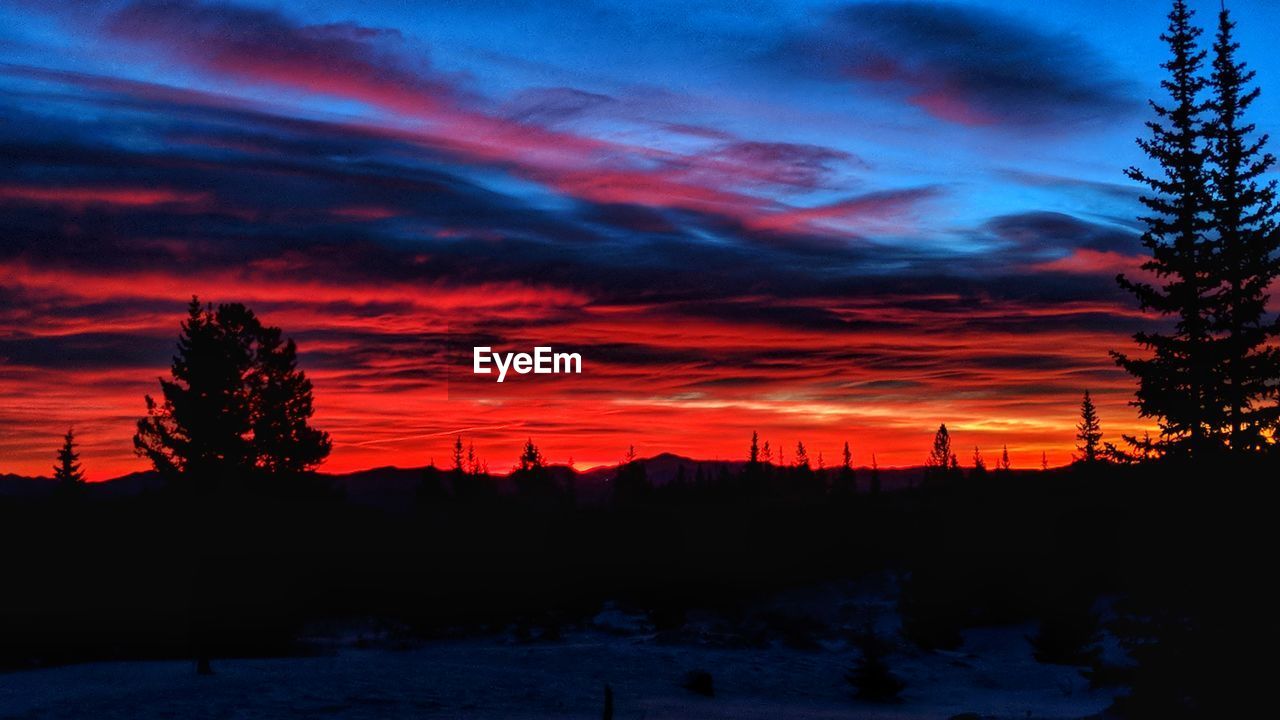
column 966, row 65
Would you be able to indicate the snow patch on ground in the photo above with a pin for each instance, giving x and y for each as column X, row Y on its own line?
column 993, row 675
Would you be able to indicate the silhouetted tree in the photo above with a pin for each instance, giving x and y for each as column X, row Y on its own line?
column 531, row 458
column 236, row 406
column 871, row 676
column 979, row 465
column 753, row 454
column 1244, row 214
column 236, row 403
column 532, row 479
column 875, row 476
column 766, row 454
column 1004, row 460
column 1089, row 431
column 1177, row 384
column 475, row 465
column 459, row 457
column 68, row 472
column 802, row 457
column 941, row 459
column 1044, row 460
column 846, row 479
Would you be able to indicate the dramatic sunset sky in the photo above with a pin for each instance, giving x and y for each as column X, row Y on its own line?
column 821, row 220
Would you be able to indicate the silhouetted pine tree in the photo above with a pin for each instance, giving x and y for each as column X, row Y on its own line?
column 875, row 476
column 802, row 457
column 871, row 676
column 754, row 472
column 473, row 460
column 532, row 478
column 236, row 404
column 1089, row 431
column 1244, row 214
column 1177, row 384
column 846, row 480
column 68, row 472
column 979, row 465
column 459, row 457
column 941, row 460
column 1005, row 465
column 531, row 457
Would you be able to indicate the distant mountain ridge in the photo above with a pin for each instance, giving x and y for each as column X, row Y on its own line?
column 393, row 487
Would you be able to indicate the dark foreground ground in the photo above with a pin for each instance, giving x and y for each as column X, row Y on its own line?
column 996, row 594
column 992, row 674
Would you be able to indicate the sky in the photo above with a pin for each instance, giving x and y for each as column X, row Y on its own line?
column 822, row 221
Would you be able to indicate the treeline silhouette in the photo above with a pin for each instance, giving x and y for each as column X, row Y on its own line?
column 243, row 568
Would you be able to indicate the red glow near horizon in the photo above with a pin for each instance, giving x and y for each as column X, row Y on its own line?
column 399, row 409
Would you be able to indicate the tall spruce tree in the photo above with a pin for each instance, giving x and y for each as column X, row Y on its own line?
column 1178, row 385
column 68, row 472
column 941, row 459
column 845, row 480
column 1244, row 214
column 236, row 403
column 1089, row 431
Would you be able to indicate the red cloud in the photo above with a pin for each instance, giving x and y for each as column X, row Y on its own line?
column 81, row 196
column 1093, row 262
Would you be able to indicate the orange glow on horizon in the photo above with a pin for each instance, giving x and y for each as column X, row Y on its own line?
column 699, row 389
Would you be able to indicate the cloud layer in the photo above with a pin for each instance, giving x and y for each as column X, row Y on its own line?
column 720, row 265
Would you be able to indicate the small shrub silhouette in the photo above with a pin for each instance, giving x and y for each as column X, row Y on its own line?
column 871, row 676
column 699, row 681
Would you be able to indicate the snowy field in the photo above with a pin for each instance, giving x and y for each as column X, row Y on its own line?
column 992, row 676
